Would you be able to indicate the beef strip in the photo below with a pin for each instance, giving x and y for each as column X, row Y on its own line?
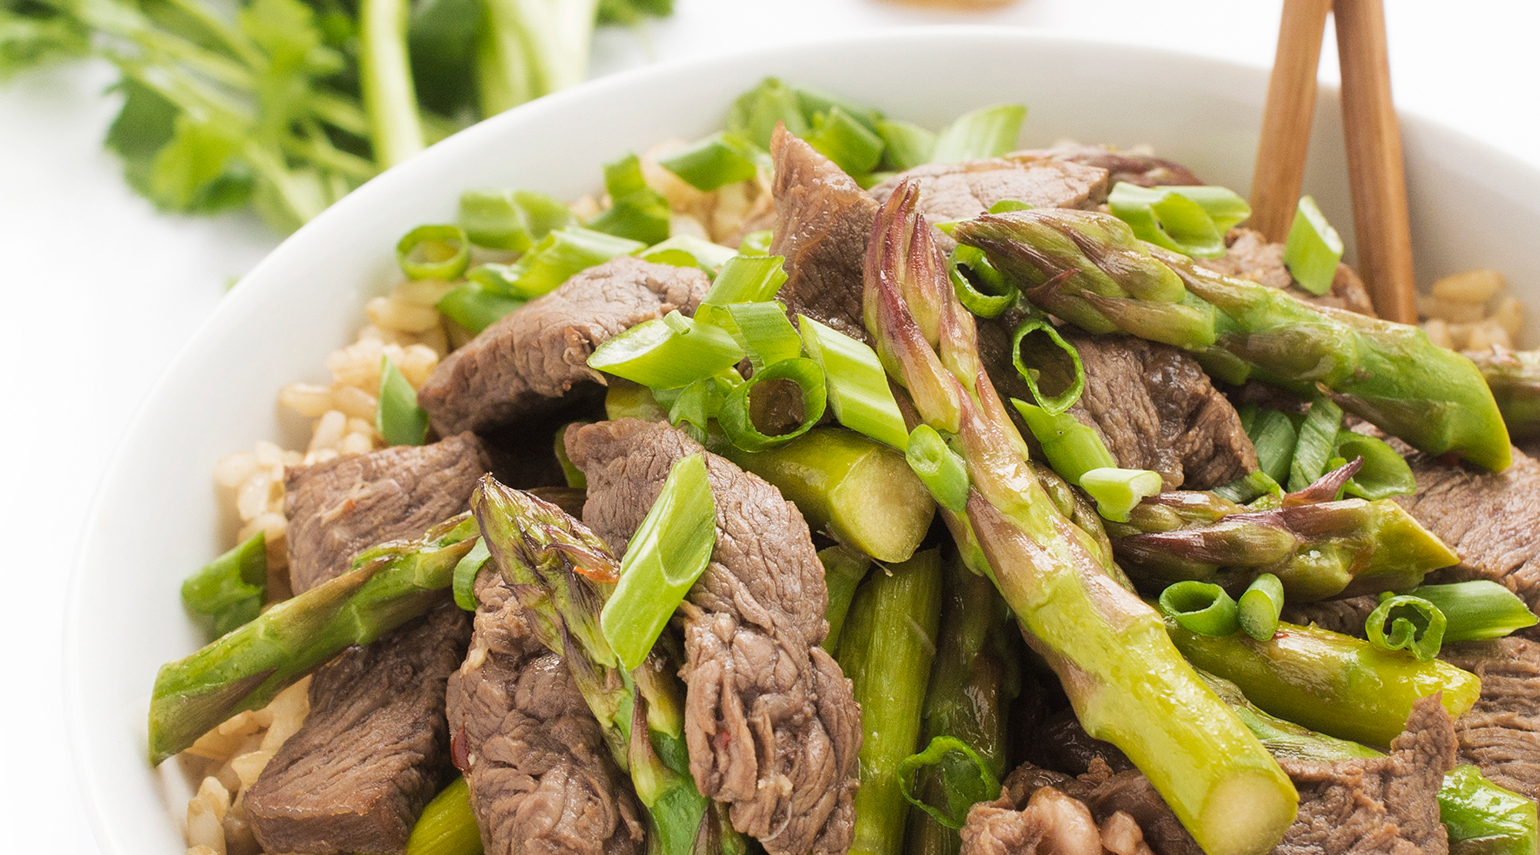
column 1049, row 822
column 956, row 191
column 1501, row 732
column 527, row 361
column 771, row 724
column 1151, row 404
column 1249, row 256
column 1114, row 802
column 1145, row 170
column 341, row 507
column 823, row 220
column 373, row 750
column 542, row 781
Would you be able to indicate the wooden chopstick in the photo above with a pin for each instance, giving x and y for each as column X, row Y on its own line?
column 1376, row 171
column 1280, row 166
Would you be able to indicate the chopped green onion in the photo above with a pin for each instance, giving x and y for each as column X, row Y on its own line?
column 475, row 306
column 756, row 243
column 689, row 251
column 858, row 385
column 939, row 468
column 1260, row 606
column 230, row 588
column 1414, row 624
column 464, row 583
column 1247, row 413
column 636, row 211
column 986, row 132
column 1274, row 436
column 1201, row 607
column 693, row 408
column 1317, row 444
column 1005, row 206
column 756, row 112
column 745, row 414
column 397, row 416
column 764, row 331
column 1313, row 248
column 1189, row 220
column 992, row 294
column 719, row 159
column 968, row 779
column 1048, row 364
column 1384, row 473
column 552, row 261
column 814, row 101
column 905, row 145
column 841, row 138
column 1483, row 818
column 511, row 219
column 1118, row 491
column 1072, row 448
column 573, row 475
column 434, row 252
column 668, row 552
column 667, row 353
column 1249, row 487
column 747, row 279
column 447, row 825
column 843, row 570
column 1477, row 610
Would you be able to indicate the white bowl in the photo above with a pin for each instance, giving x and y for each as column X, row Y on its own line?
column 157, row 516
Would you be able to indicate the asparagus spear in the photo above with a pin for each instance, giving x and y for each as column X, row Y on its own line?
column 1090, row 269
column 562, row 572
column 389, row 585
column 1514, row 378
column 1127, row 683
column 843, row 570
column 1333, row 683
column 1481, row 817
column 886, row 650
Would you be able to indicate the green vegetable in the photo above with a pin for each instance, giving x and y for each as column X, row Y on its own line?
column 668, row 552
column 843, row 570
column 985, row 132
column 1414, row 625
column 667, row 353
column 475, row 306
column 447, row 825
column 966, row 776
column 858, row 387
column 748, row 418
column 688, row 251
column 755, row 113
column 434, row 252
column 756, row 243
column 397, row 416
column 1119, row 491
column 1514, row 378
column 1259, row 607
column 841, row 138
column 905, row 145
column 764, row 332
column 552, row 261
column 1201, row 608
column 389, row 585
column 1189, row 220
column 886, row 650
column 1383, row 473
column 1317, row 442
column 1049, row 353
column 385, row 77
column 747, row 279
column 230, row 589
column 463, row 583
column 980, row 288
column 637, row 212
column 1275, row 437
column 1483, row 818
column 719, row 159
column 1072, row 449
column 1313, row 248
column 942, row 471
column 514, row 220
column 1476, row 610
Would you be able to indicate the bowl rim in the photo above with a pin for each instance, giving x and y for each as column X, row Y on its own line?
column 90, row 786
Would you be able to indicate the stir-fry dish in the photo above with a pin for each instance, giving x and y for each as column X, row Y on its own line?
column 837, row 485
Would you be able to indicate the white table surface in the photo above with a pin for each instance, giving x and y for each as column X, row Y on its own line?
column 98, row 292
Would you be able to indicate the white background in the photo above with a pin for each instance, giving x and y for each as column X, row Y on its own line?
column 98, row 292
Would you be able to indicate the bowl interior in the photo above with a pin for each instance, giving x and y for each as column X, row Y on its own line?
column 157, row 516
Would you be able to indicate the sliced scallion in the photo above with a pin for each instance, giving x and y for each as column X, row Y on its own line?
column 1249, row 488
column 747, row 279
column 905, row 145
column 1313, row 248
column 1072, row 449
column 940, row 469
column 464, row 584
column 447, row 825
column 1055, row 364
column 1005, row 206
column 636, row 211
column 979, row 286
column 1384, row 473
column 841, row 138
column 764, row 331
column 230, row 588
column 756, row 242
column 689, row 251
column 693, row 408
column 554, row 260
column 843, row 570
column 749, row 413
column 985, row 132
column 1274, row 436
column 667, row 353
column 1118, row 491
column 1201, row 607
column 397, row 416
column 434, row 252
column 1407, row 623
column 670, row 549
column 858, row 385
column 511, row 219
column 1260, row 606
column 573, row 475
column 814, row 101
column 1189, row 220
column 1317, row 443
column 967, row 779
column 719, row 159
column 475, row 306
column 755, row 113
column 1477, row 610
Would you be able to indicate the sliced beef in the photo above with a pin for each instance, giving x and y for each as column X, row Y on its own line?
column 526, row 362
column 823, row 220
column 1345, row 616
column 955, row 191
column 542, row 781
column 1379, row 804
column 1491, row 519
column 1501, row 733
column 1112, row 801
column 1151, row 404
column 771, row 724
column 1145, row 170
column 341, row 507
column 1049, row 822
column 373, row 750
column 1250, row 256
